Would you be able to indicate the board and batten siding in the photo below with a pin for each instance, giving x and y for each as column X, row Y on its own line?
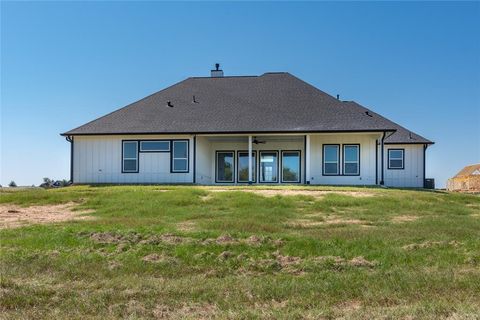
column 412, row 174
column 98, row 159
column 367, row 144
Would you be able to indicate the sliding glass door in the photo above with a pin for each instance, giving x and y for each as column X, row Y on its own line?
column 291, row 166
column 268, row 166
column 243, row 166
column 225, row 166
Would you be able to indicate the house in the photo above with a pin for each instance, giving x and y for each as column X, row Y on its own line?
column 268, row 129
column 467, row 180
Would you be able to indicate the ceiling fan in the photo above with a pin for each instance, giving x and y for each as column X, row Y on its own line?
column 256, row 141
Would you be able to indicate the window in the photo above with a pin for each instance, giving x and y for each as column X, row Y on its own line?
column 130, row 156
column 351, row 159
column 180, row 156
column 268, row 166
column 154, row 146
column 290, row 166
column 331, row 156
column 396, row 158
column 243, row 166
column 225, row 166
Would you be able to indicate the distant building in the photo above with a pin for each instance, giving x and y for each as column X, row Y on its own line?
column 467, row 180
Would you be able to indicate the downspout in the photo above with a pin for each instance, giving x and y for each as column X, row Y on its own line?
column 382, row 182
column 194, row 159
column 425, row 146
column 70, row 139
column 376, row 161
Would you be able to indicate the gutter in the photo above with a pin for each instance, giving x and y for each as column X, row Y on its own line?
column 299, row 132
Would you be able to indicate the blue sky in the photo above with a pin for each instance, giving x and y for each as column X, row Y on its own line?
column 63, row 64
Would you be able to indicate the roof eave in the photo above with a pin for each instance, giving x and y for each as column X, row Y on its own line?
column 68, row 133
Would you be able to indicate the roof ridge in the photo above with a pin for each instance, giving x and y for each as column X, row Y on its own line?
column 209, row 77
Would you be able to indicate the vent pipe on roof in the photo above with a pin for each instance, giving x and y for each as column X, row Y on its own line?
column 217, row 73
column 338, row 97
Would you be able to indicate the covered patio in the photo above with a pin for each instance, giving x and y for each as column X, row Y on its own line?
column 251, row 159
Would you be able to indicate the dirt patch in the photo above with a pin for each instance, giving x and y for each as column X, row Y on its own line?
column 431, row 244
column 225, row 255
column 286, row 192
column 187, row 311
column 157, row 258
column 207, row 197
column 226, row 239
column 348, row 306
column 134, row 238
column 254, row 241
column 13, row 216
column 359, row 262
column 106, row 237
column 186, row 226
column 173, row 239
column 402, row 219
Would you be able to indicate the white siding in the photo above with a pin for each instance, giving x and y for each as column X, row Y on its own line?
column 367, row 144
column 204, row 161
column 98, row 159
column 412, row 174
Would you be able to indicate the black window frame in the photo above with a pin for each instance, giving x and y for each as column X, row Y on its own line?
column 254, row 166
column 299, row 152
column 403, row 159
column 260, row 166
column 137, row 159
column 154, row 151
column 216, row 166
column 343, row 159
column 323, row 159
column 172, row 155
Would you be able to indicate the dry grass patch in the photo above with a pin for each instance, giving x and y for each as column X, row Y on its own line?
column 13, row 216
column 186, row 226
column 327, row 220
column 187, row 311
column 287, row 192
column 402, row 219
column 431, row 244
column 158, row 258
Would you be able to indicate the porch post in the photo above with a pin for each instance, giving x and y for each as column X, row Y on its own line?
column 250, row 168
column 307, row 159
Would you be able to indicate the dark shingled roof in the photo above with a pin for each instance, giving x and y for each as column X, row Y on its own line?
column 272, row 102
column 401, row 136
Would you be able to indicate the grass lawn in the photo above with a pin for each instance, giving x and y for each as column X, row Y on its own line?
column 195, row 252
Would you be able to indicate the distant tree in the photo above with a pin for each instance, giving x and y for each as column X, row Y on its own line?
column 12, row 184
column 47, row 180
column 64, row 183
